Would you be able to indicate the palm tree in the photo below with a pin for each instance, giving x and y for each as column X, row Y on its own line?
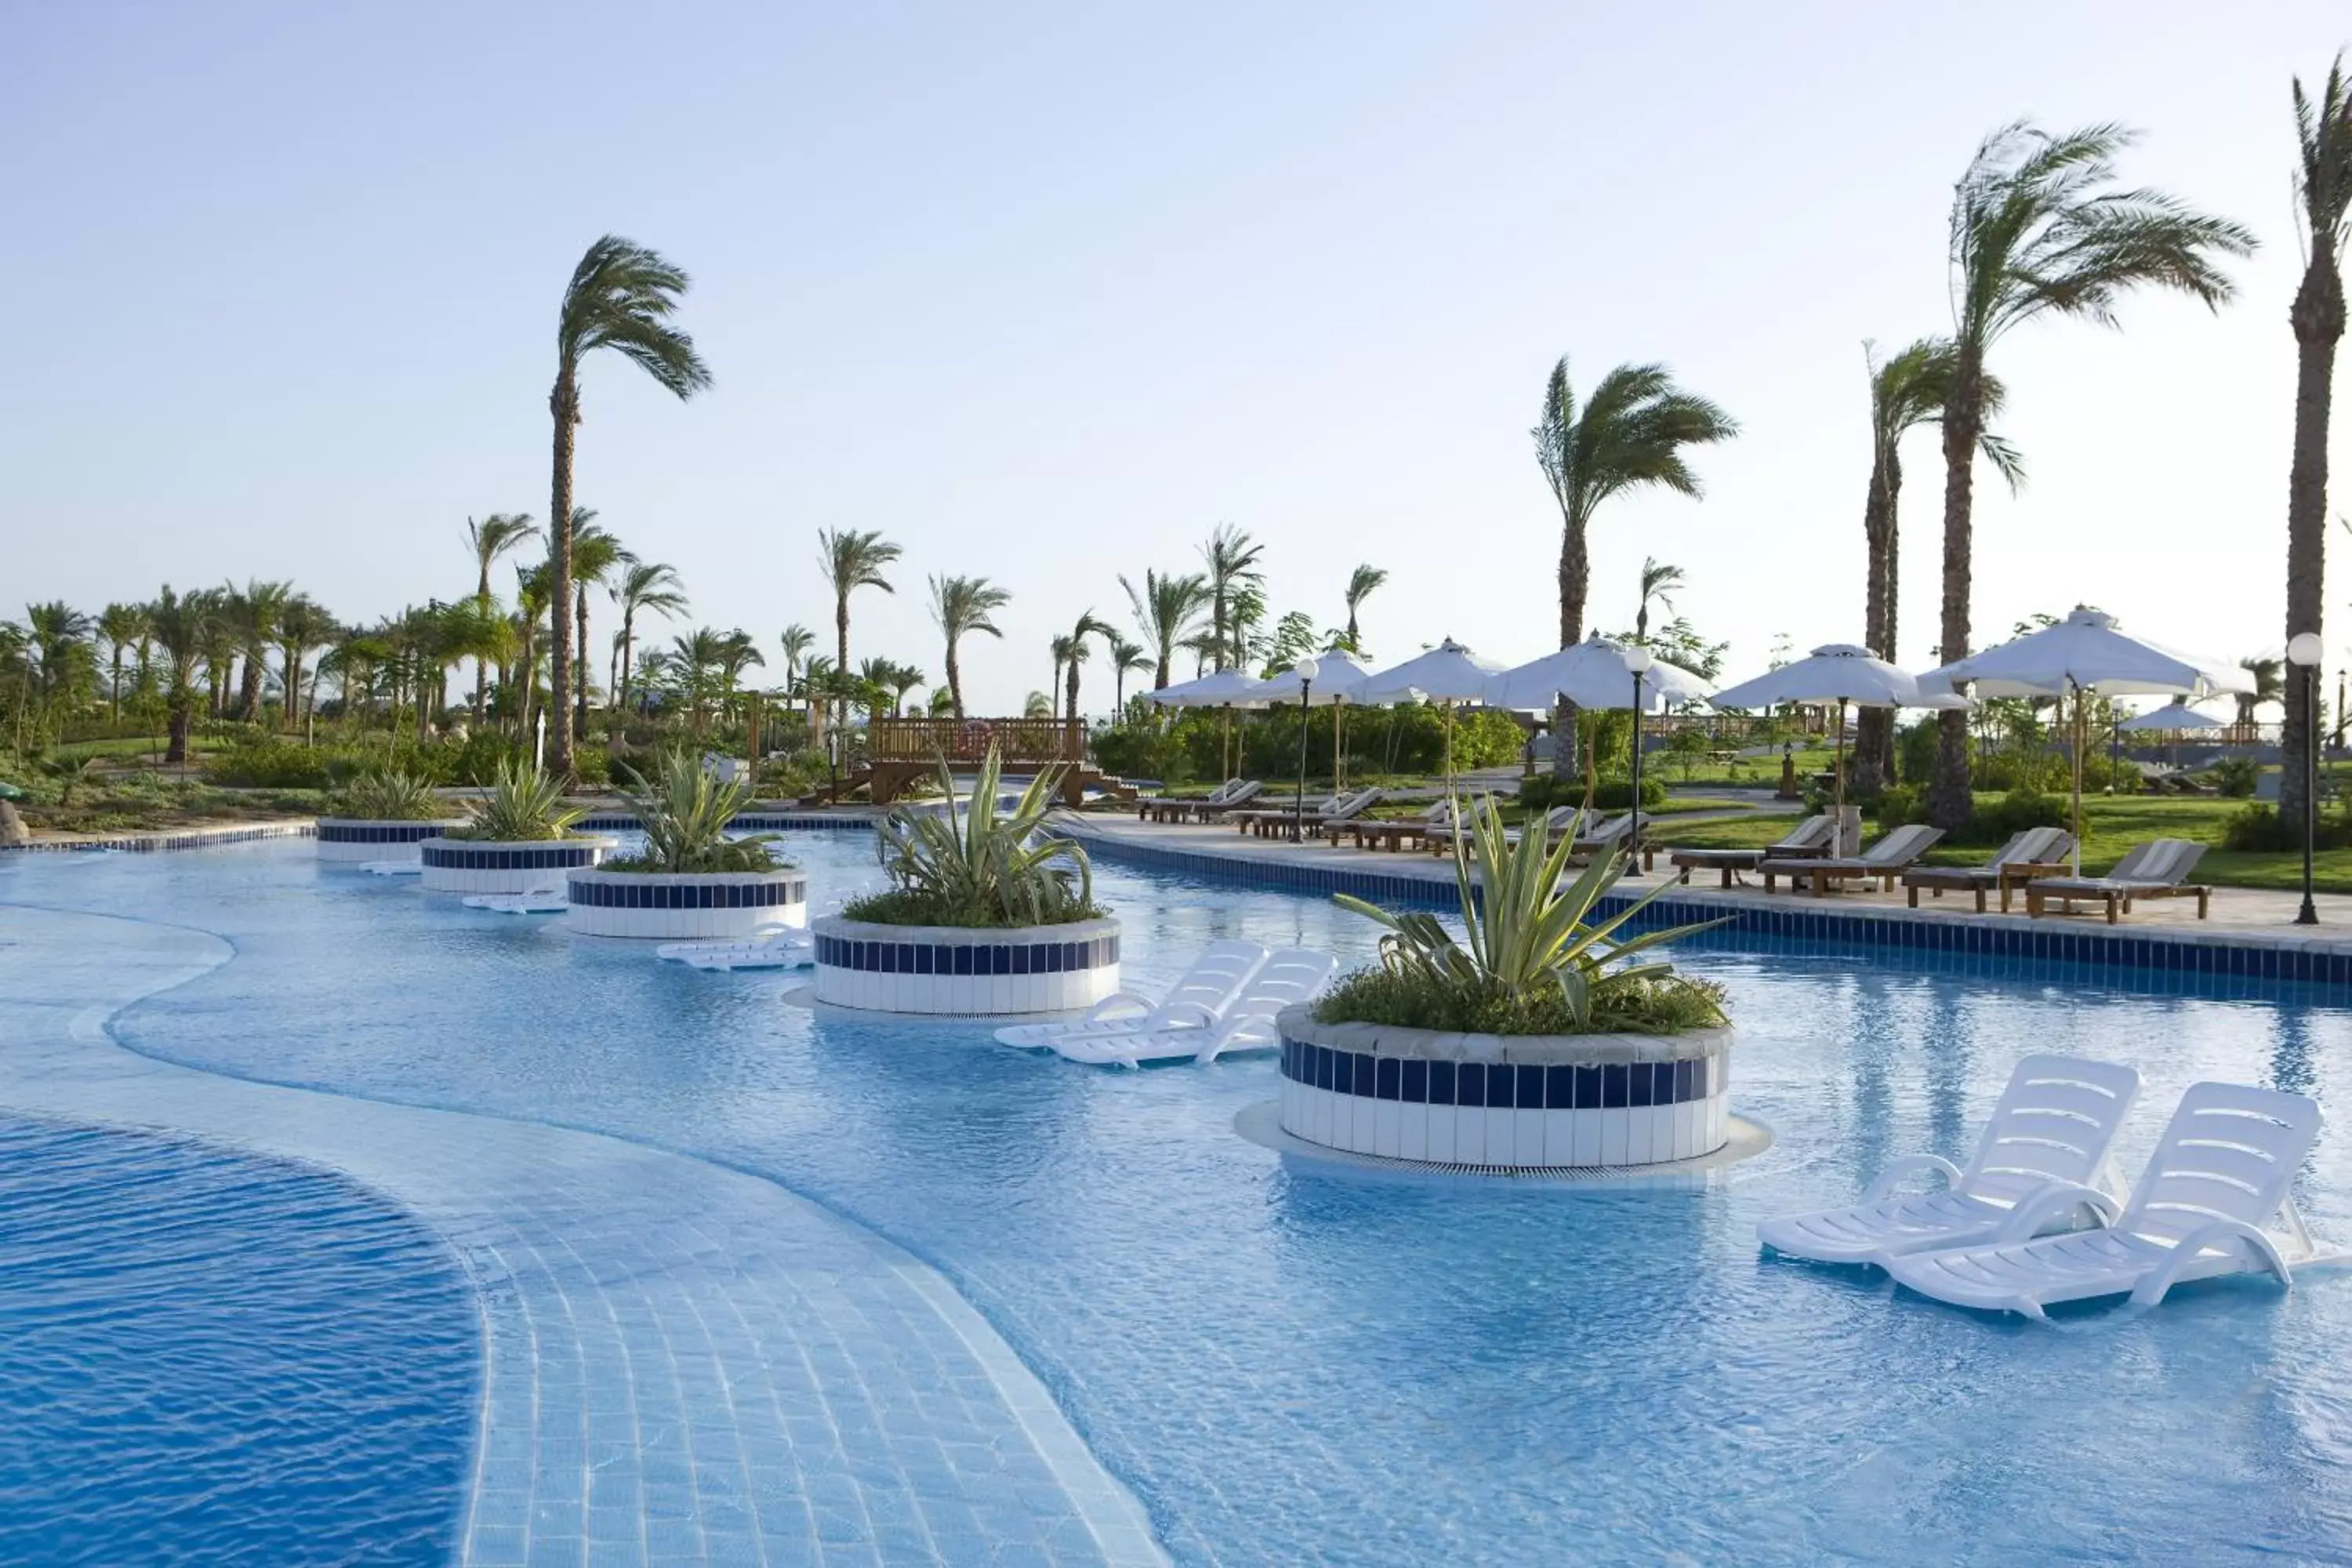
column 595, row 556
column 534, row 593
column 1905, row 392
column 220, row 645
column 1659, row 581
column 2036, row 228
column 1126, row 657
column 302, row 626
column 181, row 626
column 1087, row 626
column 121, row 626
column 1038, row 705
column 796, row 640
column 1064, row 649
column 254, row 614
column 959, row 607
column 738, row 651
column 2324, row 184
column 1231, row 559
column 621, row 297
column 650, row 587
column 1167, row 611
column 1629, row 434
column 2267, row 688
column 58, row 635
column 1361, row 582
column 694, row 660
column 490, row 538
column 850, row 559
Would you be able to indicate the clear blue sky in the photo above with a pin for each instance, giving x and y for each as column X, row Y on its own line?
column 1047, row 292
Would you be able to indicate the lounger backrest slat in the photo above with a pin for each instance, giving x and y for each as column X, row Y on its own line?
column 1903, row 846
column 1608, row 832
column 1805, row 834
column 2186, row 855
column 2013, row 850
column 1356, row 805
column 2035, row 844
column 1290, row 976
column 2139, row 859
column 1216, row 977
column 2055, row 1123
column 2228, row 1152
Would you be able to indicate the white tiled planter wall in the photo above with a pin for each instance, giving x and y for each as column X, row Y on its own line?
column 1394, row 1127
column 903, row 988
column 333, row 847
column 784, row 896
column 519, row 876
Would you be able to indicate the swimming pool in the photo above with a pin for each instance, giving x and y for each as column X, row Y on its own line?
column 1288, row 1362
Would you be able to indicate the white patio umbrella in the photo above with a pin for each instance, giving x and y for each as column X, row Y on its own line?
column 1837, row 673
column 1592, row 674
column 2087, row 653
column 2171, row 717
column 1448, row 673
column 1224, row 688
column 1338, row 680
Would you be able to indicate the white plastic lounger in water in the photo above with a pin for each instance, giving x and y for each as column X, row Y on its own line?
column 1290, row 976
column 2215, row 1186
column 2043, row 1160
column 535, row 901
column 1197, row 1000
column 774, row 945
column 393, row 867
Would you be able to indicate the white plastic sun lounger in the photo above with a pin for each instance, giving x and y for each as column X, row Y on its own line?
column 393, row 867
column 1290, row 976
column 2213, row 1201
column 773, row 945
column 1197, row 1000
column 545, row 900
column 2043, row 1159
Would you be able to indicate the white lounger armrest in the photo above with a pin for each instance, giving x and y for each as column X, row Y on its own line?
column 1115, row 1003
column 2223, row 1236
column 1904, row 1166
column 2050, row 1203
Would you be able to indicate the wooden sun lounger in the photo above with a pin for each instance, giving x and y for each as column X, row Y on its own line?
column 2034, row 853
column 1883, row 862
column 2157, row 869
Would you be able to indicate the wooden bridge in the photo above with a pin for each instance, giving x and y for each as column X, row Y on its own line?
column 899, row 750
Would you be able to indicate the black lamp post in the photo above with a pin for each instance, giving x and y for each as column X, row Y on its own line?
column 2305, row 652
column 1307, row 669
column 1637, row 659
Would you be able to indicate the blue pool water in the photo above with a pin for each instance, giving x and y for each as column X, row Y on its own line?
column 1290, row 1363
column 204, row 1355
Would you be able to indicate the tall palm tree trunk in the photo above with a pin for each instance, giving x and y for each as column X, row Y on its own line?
column 1874, row 744
column 955, row 682
column 481, row 665
column 581, row 665
column 1950, row 799
column 1575, row 583
column 564, row 403
column 2318, row 317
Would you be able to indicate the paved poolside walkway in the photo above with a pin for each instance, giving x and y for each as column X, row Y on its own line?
column 2239, row 915
column 684, row 1364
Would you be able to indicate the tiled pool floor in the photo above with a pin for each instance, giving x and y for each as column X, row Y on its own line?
column 685, row 1364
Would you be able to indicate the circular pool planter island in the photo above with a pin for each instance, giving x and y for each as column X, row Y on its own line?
column 507, row 866
column 975, row 970
column 351, row 840
column 1514, row 1102
column 675, row 905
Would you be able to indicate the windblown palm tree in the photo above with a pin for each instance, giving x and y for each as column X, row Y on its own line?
column 961, row 606
column 1231, row 559
column 490, row 538
column 1167, row 611
column 595, row 556
column 302, row 626
column 1087, row 626
column 2267, row 688
column 2037, row 228
column 181, row 626
column 621, row 297
column 534, row 594
column 796, row 640
column 647, row 588
column 1905, row 392
column 1630, row 434
column 1126, row 658
column 850, row 559
column 220, row 642
column 121, row 626
column 60, row 638
column 1361, row 584
column 254, row 612
column 2323, row 186
column 1659, row 581
column 738, row 651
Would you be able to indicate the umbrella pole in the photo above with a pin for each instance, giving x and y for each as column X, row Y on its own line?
column 1449, row 746
column 1837, row 811
column 2078, row 779
column 1338, row 718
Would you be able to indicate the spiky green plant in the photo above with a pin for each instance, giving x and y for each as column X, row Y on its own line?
column 525, row 805
column 388, row 795
column 684, row 812
column 1534, row 954
column 980, row 866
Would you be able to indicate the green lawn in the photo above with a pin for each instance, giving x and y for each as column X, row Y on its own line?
column 2110, row 827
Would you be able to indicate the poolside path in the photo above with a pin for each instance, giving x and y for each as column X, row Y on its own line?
column 684, row 1364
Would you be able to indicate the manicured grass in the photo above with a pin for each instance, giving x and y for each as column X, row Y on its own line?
column 2110, row 827
column 146, row 802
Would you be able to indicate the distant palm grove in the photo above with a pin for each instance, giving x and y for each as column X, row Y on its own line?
column 570, row 641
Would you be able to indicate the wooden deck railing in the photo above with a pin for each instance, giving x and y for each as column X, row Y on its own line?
column 1020, row 741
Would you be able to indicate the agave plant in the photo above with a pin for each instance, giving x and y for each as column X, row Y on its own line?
column 977, row 866
column 1534, row 939
column 387, row 796
column 685, row 812
column 525, row 802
